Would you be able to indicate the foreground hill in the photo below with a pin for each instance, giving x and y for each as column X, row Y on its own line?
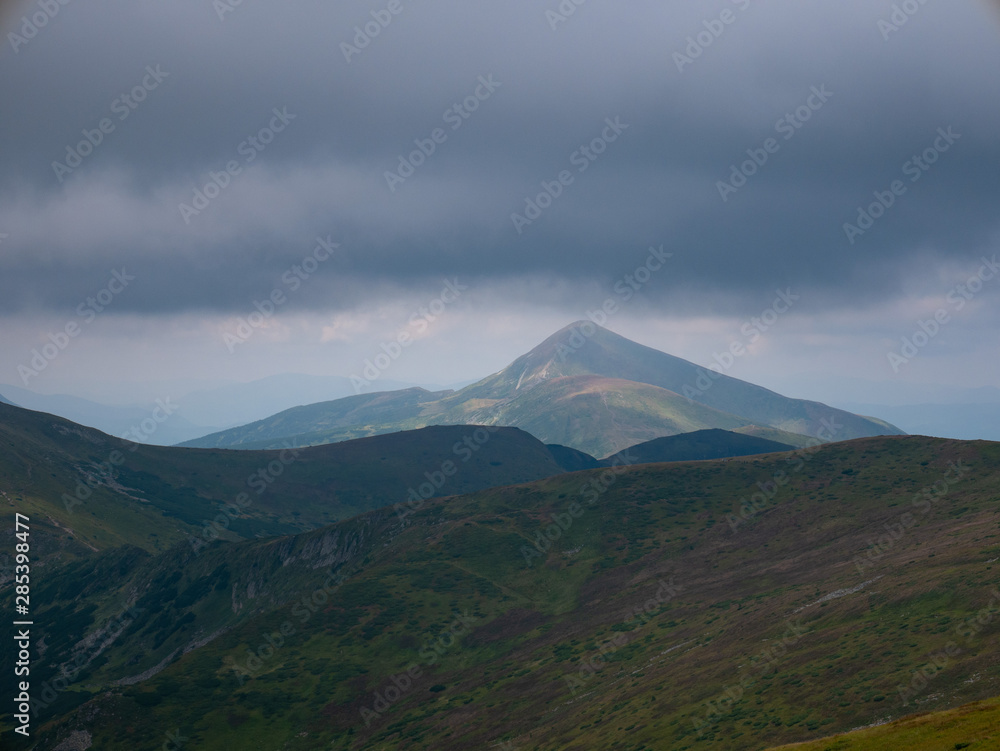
column 87, row 491
column 598, row 393
column 716, row 605
column 974, row 726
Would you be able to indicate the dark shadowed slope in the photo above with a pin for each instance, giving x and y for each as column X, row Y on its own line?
column 85, row 490
column 703, row 444
column 631, row 609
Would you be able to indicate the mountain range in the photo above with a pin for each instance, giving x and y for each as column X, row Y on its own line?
column 721, row 604
column 98, row 491
column 584, row 387
column 755, row 576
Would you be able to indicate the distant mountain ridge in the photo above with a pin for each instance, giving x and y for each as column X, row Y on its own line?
column 98, row 491
column 171, row 428
column 192, row 413
column 583, row 387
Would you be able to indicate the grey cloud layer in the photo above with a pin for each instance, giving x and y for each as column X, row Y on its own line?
column 324, row 174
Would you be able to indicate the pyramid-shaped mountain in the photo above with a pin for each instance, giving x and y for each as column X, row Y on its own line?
column 584, row 387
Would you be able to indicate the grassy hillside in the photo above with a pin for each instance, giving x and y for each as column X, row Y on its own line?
column 87, row 491
column 347, row 418
column 600, row 416
column 705, row 605
column 974, row 726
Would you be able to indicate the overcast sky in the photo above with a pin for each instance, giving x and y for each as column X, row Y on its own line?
column 290, row 117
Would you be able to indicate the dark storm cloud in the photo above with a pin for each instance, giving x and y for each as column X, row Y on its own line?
column 347, row 124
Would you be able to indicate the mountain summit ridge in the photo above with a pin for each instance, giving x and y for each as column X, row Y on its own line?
column 585, row 387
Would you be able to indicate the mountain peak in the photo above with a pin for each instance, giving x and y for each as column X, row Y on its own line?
column 556, row 356
column 583, row 325
column 581, row 348
column 585, row 387
column 585, row 349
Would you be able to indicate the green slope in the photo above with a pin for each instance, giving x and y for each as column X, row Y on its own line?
column 598, row 394
column 975, row 726
column 599, row 416
column 347, row 418
column 780, row 627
